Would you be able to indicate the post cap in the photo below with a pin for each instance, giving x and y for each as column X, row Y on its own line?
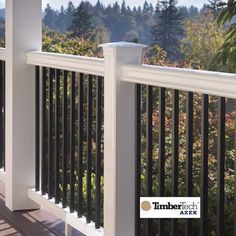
column 122, row 45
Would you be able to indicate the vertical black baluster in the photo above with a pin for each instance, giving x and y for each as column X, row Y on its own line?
column 220, row 167
column 72, row 144
column 175, row 154
column 80, row 145
column 50, row 134
column 37, row 120
column 89, row 147
column 189, row 160
column 138, row 159
column 161, row 152
column 204, row 168
column 43, row 130
column 149, row 150
column 98, row 150
column 4, row 111
column 57, row 136
column 64, row 133
column 1, row 115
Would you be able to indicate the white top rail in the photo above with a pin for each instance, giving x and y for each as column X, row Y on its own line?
column 82, row 64
column 212, row 83
column 2, row 54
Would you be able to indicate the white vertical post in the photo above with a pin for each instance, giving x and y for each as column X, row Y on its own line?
column 119, row 140
column 23, row 33
column 68, row 230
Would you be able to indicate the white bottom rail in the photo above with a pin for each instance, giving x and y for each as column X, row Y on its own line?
column 64, row 214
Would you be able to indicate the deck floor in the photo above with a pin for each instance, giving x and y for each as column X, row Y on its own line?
column 29, row 223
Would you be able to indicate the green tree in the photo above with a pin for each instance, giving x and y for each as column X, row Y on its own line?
column 225, row 58
column 203, row 38
column 167, row 30
column 146, row 8
column 184, row 12
column 98, row 8
column 2, row 28
column 119, row 21
column 49, row 17
column 60, row 21
column 193, row 11
column 215, row 6
column 123, row 8
column 100, row 35
column 65, row 43
column 81, row 23
column 70, row 11
column 116, row 8
column 151, row 9
column 131, row 36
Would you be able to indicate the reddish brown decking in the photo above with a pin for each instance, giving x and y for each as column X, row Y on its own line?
column 29, row 223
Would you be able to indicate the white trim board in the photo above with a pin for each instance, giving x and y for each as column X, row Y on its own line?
column 206, row 82
column 65, row 215
column 82, row 64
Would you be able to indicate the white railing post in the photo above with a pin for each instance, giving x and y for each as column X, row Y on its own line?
column 23, row 34
column 119, row 140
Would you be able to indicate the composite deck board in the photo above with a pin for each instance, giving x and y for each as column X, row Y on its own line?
column 8, row 229
column 29, row 223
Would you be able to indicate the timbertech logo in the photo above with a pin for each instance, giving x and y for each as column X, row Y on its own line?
column 146, row 206
column 170, row 207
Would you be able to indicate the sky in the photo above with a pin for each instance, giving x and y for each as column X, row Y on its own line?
column 57, row 3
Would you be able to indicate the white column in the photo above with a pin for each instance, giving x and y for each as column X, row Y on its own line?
column 68, row 230
column 119, row 138
column 23, row 33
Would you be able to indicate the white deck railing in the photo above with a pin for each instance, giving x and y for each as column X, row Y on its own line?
column 212, row 83
column 122, row 69
column 82, row 64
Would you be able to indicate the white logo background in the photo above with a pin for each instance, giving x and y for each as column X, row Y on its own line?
column 182, row 207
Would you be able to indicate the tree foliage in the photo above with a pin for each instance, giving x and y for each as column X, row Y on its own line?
column 167, row 30
column 81, row 23
column 225, row 60
column 68, row 44
column 215, row 6
column 49, row 17
column 118, row 22
column 203, row 38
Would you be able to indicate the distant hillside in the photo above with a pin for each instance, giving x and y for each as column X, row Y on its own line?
column 111, row 22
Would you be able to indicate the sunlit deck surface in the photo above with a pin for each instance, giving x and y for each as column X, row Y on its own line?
column 30, row 223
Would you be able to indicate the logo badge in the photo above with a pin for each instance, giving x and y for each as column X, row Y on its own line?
column 170, row 207
column 146, row 206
